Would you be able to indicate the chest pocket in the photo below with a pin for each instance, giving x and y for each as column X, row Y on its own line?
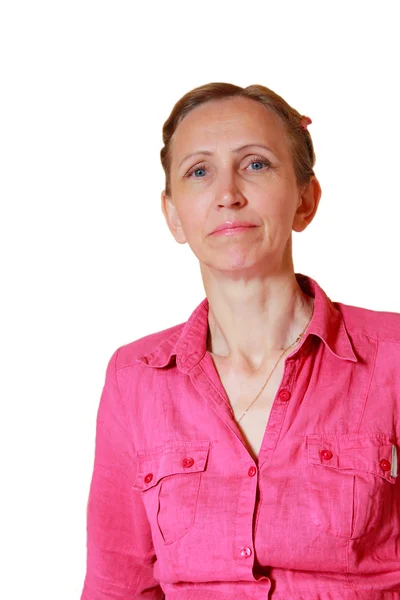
column 170, row 478
column 350, row 481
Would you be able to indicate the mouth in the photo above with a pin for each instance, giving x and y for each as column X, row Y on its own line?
column 235, row 230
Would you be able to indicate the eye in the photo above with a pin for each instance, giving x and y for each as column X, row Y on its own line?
column 259, row 160
column 254, row 160
column 200, row 167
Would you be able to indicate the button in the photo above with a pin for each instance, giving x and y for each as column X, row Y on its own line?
column 326, row 454
column 252, row 471
column 148, row 477
column 284, row 395
column 245, row 551
column 187, row 462
column 385, row 464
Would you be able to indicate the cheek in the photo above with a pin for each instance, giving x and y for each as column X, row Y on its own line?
column 273, row 209
column 192, row 219
column 193, row 208
column 278, row 201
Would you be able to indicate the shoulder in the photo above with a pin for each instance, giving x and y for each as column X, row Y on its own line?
column 127, row 354
column 376, row 324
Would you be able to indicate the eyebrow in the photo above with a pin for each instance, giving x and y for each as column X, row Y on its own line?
column 236, row 151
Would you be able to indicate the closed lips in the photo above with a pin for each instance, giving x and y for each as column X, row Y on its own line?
column 233, row 225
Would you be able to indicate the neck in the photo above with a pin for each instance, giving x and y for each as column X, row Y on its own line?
column 254, row 322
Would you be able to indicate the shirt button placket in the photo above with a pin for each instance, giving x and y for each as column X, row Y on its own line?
column 284, row 395
column 246, row 551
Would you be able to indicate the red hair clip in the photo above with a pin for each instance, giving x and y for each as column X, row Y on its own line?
column 304, row 121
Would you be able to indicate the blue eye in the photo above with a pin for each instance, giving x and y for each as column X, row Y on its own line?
column 255, row 160
column 197, row 168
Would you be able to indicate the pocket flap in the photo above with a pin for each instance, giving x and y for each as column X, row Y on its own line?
column 370, row 453
column 170, row 459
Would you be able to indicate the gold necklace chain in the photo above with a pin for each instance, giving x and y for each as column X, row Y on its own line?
column 295, row 342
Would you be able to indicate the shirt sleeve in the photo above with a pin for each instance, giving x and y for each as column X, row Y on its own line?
column 120, row 552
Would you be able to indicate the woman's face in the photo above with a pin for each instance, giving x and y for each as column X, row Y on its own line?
column 239, row 169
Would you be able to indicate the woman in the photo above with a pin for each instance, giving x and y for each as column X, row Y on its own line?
column 250, row 452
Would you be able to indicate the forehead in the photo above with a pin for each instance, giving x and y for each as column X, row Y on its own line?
column 229, row 122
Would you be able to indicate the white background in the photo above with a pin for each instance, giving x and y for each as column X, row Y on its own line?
column 88, row 263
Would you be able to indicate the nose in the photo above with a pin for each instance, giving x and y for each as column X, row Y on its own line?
column 228, row 192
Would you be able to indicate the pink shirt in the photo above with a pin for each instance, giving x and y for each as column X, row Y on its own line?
column 178, row 509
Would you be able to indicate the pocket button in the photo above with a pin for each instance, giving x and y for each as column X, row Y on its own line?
column 326, row 454
column 187, row 462
column 148, row 477
column 385, row 464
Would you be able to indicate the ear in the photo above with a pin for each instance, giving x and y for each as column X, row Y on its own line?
column 171, row 216
column 309, row 197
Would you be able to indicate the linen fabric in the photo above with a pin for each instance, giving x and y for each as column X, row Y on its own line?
column 179, row 510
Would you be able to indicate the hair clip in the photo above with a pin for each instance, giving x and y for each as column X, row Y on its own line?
column 304, row 121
